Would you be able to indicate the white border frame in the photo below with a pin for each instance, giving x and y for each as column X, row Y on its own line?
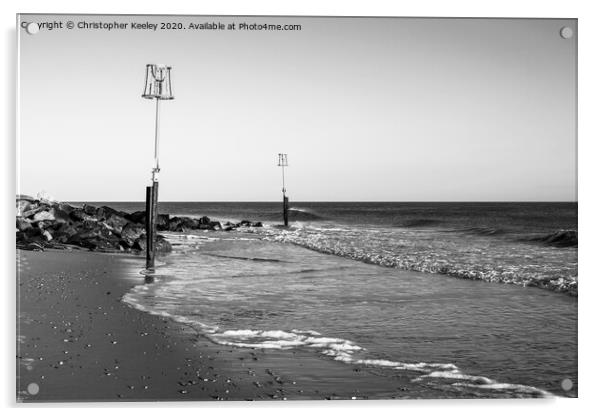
column 589, row 36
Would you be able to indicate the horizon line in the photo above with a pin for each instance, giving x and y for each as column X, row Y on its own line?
column 339, row 201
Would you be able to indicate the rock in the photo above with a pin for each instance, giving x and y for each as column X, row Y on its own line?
column 60, row 215
column 47, row 235
column 22, row 206
column 257, row 224
column 215, row 225
column 163, row 246
column 101, row 213
column 64, row 207
column 81, row 235
column 89, row 209
column 43, row 216
column 33, row 209
column 105, row 212
column 189, row 223
column 107, row 231
column 32, row 234
column 116, row 222
column 97, row 238
column 27, row 198
column 64, row 232
column 42, row 225
column 23, row 224
column 163, row 222
column 245, row 223
column 138, row 217
column 175, row 224
column 124, row 245
column 78, row 214
column 48, row 224
column 131, row 232
column 90, row 224
column 227, row 228
column 204, row 220
column 140, row 243
column 31, row 246
column 100, row 244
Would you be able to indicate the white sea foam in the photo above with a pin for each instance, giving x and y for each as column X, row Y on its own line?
column 455, row 374
column 519, row 388
column 306, row 331
column 425, row 367
column 278, row 339
column 480, row 382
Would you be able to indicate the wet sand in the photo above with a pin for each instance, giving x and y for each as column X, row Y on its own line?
column 77, row 341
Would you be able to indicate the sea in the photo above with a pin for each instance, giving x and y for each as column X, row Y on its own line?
column 467, row 299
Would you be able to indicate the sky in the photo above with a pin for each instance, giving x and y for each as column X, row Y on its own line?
column 367, row 109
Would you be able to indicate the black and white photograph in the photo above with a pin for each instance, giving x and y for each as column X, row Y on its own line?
column 295, row 208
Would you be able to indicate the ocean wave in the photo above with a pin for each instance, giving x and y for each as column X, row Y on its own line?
column 294, row 214
column 559, row 284
column 560, row 238
column 418, row 222
column 482, row 230
column 300, row 214
column 391, row 251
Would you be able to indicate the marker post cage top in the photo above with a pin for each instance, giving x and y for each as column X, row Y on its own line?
column 158, row 82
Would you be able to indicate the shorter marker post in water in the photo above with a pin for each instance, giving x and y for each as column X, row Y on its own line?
column 283, row 161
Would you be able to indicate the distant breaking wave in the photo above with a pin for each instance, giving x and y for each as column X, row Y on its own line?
column 376, row 249
column 561, row 238
column 294, row 214
column 483, row 230
column 418, row 222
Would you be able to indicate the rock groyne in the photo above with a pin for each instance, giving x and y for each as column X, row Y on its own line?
column 49, row 224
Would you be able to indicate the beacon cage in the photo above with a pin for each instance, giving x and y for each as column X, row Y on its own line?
column 158, row 82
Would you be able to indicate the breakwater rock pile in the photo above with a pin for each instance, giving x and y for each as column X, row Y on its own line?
column 49, row 224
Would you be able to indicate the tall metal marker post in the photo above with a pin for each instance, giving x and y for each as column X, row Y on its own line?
column 283, row 161
column 158, row 87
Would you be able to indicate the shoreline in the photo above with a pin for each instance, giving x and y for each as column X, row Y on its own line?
column 74, row 331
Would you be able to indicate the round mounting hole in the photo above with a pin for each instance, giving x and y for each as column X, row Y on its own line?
column 566, row 32
column 566, row 384
column 33, row 388
column 32, row 28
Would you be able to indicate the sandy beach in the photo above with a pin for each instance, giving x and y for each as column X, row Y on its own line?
column 78, row 342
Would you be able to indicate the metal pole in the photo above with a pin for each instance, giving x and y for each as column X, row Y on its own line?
column 150, row 260
column 284, row 198
column 152, row 211
column 156, row 139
